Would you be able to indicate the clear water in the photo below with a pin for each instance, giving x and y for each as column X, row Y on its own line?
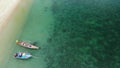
column 71, row 34
column 38, row 28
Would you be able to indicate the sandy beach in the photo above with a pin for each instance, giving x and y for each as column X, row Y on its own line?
column 12, row 17
column 7, row 7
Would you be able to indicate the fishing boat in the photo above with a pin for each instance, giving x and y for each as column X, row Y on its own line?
column 27, row 45
column 22, row 55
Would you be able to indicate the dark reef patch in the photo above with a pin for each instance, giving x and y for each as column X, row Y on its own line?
column 86, row 34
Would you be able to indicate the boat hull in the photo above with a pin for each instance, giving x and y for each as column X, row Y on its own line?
column 27, row 45
column 22, row 55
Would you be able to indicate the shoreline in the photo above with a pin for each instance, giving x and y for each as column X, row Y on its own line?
column 10, row 26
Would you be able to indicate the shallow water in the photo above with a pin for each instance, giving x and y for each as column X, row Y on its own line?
column 38, row 28
column 71, row 34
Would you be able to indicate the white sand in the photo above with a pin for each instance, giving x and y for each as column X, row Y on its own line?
column 6, row 9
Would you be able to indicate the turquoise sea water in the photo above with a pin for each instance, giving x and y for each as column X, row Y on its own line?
column 71, row 34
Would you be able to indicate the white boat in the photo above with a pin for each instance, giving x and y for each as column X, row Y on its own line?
column 27, row 45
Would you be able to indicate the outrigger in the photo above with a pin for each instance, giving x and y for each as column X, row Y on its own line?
column 27, row 45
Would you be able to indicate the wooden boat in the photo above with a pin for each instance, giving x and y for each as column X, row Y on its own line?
column 22, row 55
column 27, row 45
